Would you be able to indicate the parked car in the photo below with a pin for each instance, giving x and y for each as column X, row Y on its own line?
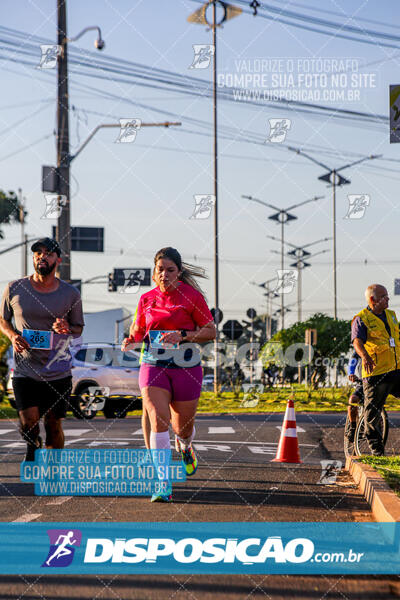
column 103, row 379
column 208, row 382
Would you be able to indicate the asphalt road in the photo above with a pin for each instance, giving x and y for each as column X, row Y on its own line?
column 236, row 481
column 235, row 472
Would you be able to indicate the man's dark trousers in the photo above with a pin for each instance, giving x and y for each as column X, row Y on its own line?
column 376, row 390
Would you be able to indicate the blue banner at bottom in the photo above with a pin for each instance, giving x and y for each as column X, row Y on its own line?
column 209, row 548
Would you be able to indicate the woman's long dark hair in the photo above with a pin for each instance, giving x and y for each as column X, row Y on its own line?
column 188, row 271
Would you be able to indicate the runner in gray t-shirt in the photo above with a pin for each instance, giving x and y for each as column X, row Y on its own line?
column 47, row 315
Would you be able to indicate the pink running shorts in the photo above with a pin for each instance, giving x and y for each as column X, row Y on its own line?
column 184, row 384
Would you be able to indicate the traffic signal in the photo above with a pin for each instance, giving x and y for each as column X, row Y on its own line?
column 112, row 286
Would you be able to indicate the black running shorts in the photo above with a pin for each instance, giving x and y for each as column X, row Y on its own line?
column 46, row 395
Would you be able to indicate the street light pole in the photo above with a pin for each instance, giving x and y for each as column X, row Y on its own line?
column 334, row 245
column 200, row 17
column 299, row 252
column 63, row 229
column 282, row 269
column 300, row 264
column 216, row 248
column 21, row 218
column 269, row 294
column 283, row 216
column 299, row 284
column 333, row 178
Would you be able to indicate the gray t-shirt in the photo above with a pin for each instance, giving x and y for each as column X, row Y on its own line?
column 35, row 310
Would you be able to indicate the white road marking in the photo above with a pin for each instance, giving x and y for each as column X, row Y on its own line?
column 75, row 432
column 14, row 445
column 3, row 431
column 251, row 443
column 58, row 500
column 261, row 450
column 27, row 517
column 206, row 447
column 299, row 429
column 108, row 443
column 221, row 430
column 138, row 432
column 124, row 442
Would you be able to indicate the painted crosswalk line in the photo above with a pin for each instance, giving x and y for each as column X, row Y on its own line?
column 27, row 517
column 220, row 430
column 75, row 432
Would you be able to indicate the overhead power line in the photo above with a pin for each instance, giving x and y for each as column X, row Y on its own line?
column 302, row 21
column 119, row 70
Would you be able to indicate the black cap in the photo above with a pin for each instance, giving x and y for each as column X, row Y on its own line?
column 49, row 243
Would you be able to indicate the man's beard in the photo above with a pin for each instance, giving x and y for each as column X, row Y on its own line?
column 44, row 270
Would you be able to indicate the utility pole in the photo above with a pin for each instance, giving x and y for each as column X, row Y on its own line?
column 63, row 230
column 64, row 158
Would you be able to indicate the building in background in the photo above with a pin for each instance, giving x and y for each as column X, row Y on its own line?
column 106, row 325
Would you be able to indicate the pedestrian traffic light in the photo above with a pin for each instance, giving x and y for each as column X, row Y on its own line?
column 112, row 286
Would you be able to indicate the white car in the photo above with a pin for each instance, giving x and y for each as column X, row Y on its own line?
column 208, row 381
column 103, row 378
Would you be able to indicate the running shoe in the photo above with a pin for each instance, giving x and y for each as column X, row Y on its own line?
column 31, row 448
column 189, row 460
column 167, row 497
column 177, row 444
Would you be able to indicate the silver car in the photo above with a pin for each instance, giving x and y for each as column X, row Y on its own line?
column 103, row 379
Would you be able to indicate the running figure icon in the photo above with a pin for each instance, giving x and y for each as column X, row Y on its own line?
column 62, row 549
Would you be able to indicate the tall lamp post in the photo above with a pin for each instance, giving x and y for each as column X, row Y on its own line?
column 200, row 17
column 334, row 179
column 300, row 253
column 301, row 264
column 270, row 294
column 283, row 216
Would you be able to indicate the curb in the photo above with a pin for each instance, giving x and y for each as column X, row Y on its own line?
column 384, row 503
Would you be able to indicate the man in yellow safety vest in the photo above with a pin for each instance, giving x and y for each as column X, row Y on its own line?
column 375, row 337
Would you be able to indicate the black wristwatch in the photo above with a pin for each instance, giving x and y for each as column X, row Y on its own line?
column 183, row 333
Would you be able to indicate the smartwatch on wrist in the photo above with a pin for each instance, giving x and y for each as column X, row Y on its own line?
column 183, row 333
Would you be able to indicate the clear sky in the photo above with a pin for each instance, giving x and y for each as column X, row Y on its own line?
column 142, row 193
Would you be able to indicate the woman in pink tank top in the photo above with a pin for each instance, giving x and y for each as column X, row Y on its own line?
column 172, row 319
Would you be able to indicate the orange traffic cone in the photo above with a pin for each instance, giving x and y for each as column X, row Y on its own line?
column 288, row 449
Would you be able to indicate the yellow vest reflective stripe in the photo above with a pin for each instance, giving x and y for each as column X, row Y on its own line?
column 386, row 357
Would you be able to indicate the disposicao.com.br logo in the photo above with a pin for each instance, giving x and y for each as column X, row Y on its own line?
column 201, row 547
column 248, row 551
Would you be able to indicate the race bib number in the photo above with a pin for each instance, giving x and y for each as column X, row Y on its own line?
column 41, row 340
column 156, row 342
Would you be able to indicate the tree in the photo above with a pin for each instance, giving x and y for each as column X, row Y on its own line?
column 333, row 343
column 10, row 210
